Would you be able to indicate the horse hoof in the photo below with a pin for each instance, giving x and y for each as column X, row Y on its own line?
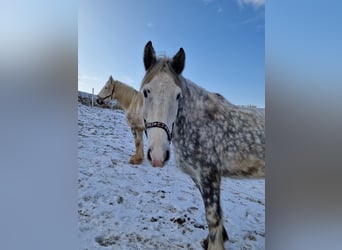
column 225, row 237
column 135, row 160
column 204, row 244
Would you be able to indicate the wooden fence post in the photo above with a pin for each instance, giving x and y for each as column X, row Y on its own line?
column 92, row 98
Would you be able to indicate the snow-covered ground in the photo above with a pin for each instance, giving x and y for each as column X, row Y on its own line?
column 123, row 206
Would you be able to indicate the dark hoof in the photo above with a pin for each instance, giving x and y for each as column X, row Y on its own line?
column 204, row 243
column 225, row 235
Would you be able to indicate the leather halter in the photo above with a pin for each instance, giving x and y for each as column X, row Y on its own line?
column 159, row 125
column 111, row 95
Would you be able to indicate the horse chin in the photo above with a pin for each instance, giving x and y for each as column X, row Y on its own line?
column 157, row 163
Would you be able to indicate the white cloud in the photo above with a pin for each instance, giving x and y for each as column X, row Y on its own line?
column 254, row 3
column 219, row 10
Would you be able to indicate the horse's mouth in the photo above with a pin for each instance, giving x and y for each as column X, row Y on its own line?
column 158, row 164
column 99, row 101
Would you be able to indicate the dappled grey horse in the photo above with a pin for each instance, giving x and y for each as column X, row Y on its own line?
column 211, row 137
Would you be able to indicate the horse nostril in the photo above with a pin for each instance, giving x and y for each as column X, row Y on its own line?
column 167, row 156
column 149, row 154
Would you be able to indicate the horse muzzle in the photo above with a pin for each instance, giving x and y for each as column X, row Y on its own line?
column 99, row 101
column 157, row 157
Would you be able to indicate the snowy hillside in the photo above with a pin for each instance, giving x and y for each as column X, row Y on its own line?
column 123, row 206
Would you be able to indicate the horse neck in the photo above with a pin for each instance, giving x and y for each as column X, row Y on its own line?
column 124, row 94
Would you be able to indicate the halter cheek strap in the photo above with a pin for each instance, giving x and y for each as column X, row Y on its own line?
column 111, row 95
column 159, row 125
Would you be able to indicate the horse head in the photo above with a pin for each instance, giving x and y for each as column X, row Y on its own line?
column 107, row 93
column 162, row 92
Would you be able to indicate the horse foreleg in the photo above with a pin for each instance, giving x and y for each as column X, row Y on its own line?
column 138, row 157
column 210, row 190
column 139, row 145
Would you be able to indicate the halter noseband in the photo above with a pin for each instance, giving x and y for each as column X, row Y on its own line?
column 159, row 125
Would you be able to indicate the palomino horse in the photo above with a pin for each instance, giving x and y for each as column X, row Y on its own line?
column 211, row 137
column 131, row 101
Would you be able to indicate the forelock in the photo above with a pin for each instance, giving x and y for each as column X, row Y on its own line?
column 163, row 64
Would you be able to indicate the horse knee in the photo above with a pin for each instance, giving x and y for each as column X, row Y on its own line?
column 213, row 215
column 134, row 132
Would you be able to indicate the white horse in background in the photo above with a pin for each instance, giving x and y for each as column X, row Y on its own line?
column 131, row 101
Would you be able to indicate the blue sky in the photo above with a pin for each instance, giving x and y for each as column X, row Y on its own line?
column 224, row 42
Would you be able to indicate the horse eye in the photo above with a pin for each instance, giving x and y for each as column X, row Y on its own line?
column 178, row 96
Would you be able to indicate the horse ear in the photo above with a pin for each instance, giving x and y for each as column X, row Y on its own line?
column 149, row 55
column 111, row 78
column 178, row 61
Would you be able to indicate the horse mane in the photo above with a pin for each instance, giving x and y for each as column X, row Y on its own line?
column 163, row 64
column 125, row 94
